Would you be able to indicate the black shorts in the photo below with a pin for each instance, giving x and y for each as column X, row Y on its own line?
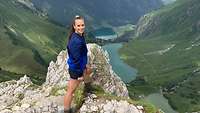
column 74, row 75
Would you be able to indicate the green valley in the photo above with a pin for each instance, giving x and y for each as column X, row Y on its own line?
column 27, row 42
column 165, row 51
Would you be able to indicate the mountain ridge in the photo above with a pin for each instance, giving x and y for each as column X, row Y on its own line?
column 97, row 12
column 28, row 41
column 165, row 50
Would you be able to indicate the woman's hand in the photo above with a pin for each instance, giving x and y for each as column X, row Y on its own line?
column 88, row 69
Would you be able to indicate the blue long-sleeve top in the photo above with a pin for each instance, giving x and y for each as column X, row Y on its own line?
column 77, row 51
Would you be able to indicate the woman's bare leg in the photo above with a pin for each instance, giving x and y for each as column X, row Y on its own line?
column 72, row 85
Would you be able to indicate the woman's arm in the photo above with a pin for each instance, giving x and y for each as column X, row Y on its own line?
column 75, row 50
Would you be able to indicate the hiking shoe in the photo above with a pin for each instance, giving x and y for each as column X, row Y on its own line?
column 88, row 88
column 69, row 111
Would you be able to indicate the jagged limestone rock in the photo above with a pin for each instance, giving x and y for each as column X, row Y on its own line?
column 22, row 96
column 27, row 3
column 147, row 24
column 104, row 75
column 31, row 6
column 93, row 105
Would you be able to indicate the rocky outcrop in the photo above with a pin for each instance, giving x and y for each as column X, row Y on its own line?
column 147, row 24
column 168, row 1
column 93, row 105
column 104, row 75
column 23, row 96
column 30, row 5
column 27, row 3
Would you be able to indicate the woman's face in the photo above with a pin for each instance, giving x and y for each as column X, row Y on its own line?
column 79, row 26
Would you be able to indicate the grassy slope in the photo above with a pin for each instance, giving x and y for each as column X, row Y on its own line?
column 27, row 42
column 178, row 26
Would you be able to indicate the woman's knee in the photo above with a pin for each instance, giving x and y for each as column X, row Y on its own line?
column 72, row 86
column 70, row 91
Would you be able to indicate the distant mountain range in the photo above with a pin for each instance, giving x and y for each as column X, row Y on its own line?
column 97, row 12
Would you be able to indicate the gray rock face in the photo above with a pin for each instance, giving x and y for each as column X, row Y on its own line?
column 104, row 75
column 30, row 5
column 168, row 1
column 23, row 96
column 27, row 3
column 147, row 24
column 57, row 71
column 93, row 105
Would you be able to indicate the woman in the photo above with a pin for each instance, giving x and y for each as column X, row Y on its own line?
column 77, row 61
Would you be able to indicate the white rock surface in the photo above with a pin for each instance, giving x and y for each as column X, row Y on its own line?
column 104, row 75
column 22, row 96
column 93, row 105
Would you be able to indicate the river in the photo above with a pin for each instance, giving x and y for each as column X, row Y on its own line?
column 124, row 71
column 127, row 74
